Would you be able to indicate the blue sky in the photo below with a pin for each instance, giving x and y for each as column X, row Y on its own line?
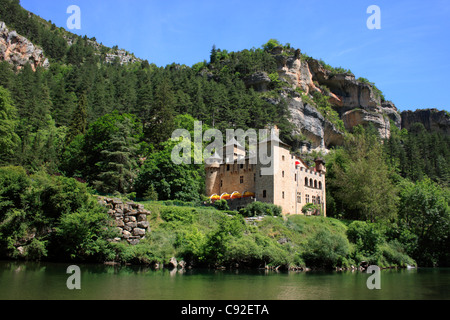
column 408, row 58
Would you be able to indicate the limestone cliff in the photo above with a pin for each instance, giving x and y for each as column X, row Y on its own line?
column 19, row 51
column 432, row 119
column 356, row 102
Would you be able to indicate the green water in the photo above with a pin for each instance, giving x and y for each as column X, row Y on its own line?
column 44, row 281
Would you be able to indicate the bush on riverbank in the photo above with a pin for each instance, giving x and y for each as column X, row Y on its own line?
column 206, row 237
column 45, row 217
column 50, row 217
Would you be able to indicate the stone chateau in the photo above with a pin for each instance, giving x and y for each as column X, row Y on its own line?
column 239, row 178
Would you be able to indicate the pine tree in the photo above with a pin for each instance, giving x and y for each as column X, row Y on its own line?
column 160, row 125
column 8, row 123
column 213, row 54
column 6, row 75
column 97, row 99
column 144, row 96
column 79, row 120
column 118, row 165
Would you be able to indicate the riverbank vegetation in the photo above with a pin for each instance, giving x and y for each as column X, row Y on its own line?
column 85, row 127
column 57, row 219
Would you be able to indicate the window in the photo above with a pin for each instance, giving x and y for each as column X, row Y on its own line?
column 299, row 197
column 311, row 183
column 242, row 179
column 242, row 166
column 264, row 193
column 318, row 200
column 315, row 184
column 306, row 182
column 307, row 198
column 320, row 185
column 283, row 158
column 314, row 199
column 296, row 177
column 221, row 183
column 228, row 167
column 282, row 194
column 282, row 174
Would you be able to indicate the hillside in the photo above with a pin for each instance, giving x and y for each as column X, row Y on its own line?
column 321, row 102
column 74, row 110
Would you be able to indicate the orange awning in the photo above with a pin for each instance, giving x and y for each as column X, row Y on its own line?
column 225, row 196
column 236, row 195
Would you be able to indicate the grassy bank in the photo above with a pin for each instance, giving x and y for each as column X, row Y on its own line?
column 206, row 237
column 54, row 218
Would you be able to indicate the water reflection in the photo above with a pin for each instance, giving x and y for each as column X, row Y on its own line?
column 30, row 281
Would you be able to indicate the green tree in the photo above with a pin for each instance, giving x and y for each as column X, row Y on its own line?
column 424, row 210
column 79, row 120
column 160, row 126
column 110, row 149
column 82, row 235
column 326, row 250
column 118, row 164
column 171, row 181
column 8, row 123
column 362, row 182
column 272, row 43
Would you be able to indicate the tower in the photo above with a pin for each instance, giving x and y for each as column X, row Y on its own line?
column 213, row 174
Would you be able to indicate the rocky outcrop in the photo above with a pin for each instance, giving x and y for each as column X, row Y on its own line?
column 320, row 133
column 122, row 56
column 130, row 219
column 357, row 117
column 391, row 111
column 295, row 72
column 356, row 102
column 258, row 81
column 433, row 120
column 19, row 51
column 351, row 93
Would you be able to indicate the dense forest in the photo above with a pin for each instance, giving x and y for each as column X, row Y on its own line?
column 86, row 126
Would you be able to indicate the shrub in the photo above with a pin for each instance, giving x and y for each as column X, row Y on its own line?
column 326, row 250
column 275, row 81
column 272, row 43
column 183, row 214
column 395, row 255
column 221, row 205
column 310, row 207
column 14, row 182
column 367, row 237
column 36, row 250
column 83, row 235
column 261, row 209
column 55, row 196
column 191, row 244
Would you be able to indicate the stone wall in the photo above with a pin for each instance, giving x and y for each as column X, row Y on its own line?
column 130, row 219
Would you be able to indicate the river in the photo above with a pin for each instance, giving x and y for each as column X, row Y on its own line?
column 48, row 281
